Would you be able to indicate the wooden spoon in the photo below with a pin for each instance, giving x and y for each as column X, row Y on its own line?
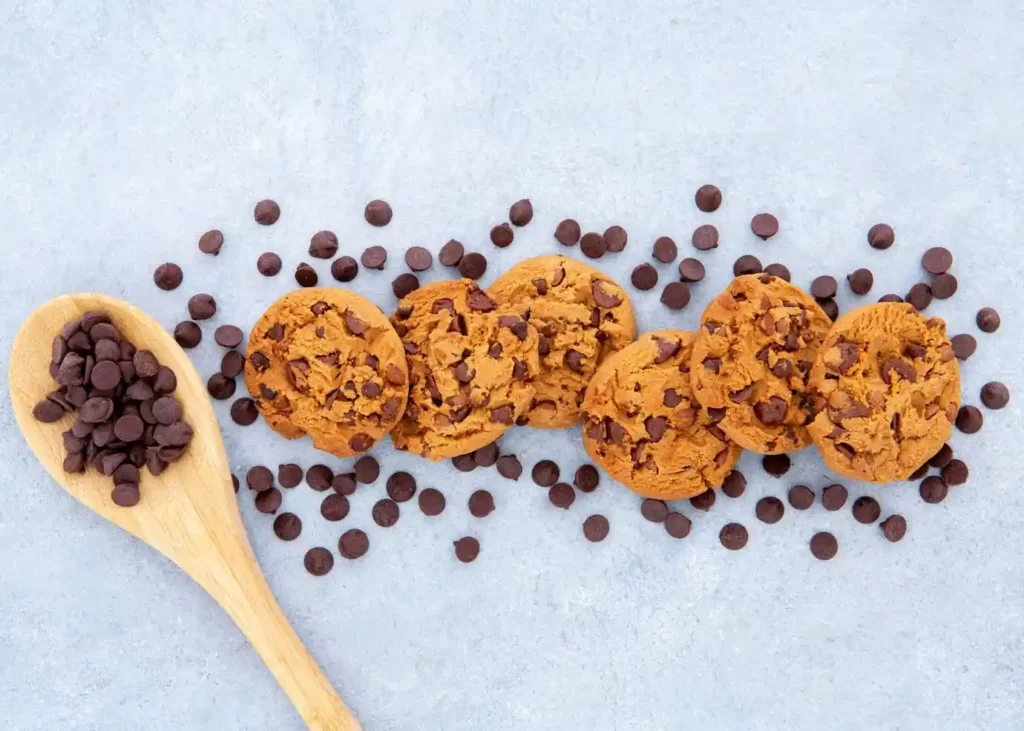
column 189, row 513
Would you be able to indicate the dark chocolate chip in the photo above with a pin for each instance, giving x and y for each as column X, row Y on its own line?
column 824, row 546
column 988, row 320
column 289, row 475
column 502, row 235
column 509, row 467
column 708, row 198
column 319, row 477
column 776, row 465
column 704, row 500
column 769, row 510
column 801, row 497
column 735, row 484
column 824, row 287
column 374, row 257
column 644, row 277
column 677, row 525
column 323, row 245
column 933, row 489
column 344, row 269
column 401, row 487
column 378, row 213
column 691, row 270
column 995, row 395
column 944, row 286
column 545, row 473
column 705, row 238
column 404, row 285
column 481, row 504
column 268, row 501
column 306, row 276
column 48, row 412
column 567, row 233
column 615, row 237
column 587, row 478
column 937, row 260
column 593, row 245
column 168, row 276
column 764, row 225
column 834, row 497
column 266, row 212
column 125, row 495
column 465, row 462
column 653, row 510
column 746, row 264
column 676, row 295
column 232, row 364
column 920, row 296
column 431, row 501
column 894, row 528
column 353, row 544
column 318, row 561
column 830, row 307
column 964, row 346
column 287, row 526
column 521, row 212
column 451, row 253
column 779, row 270
column 665, row 250
column 418, row 259
column 486, row 455
column 866, row 510
column 733, row 536
column 955, row 473
column 385, row 512
column 969, row 419
column 467, row 549
column 268, row 264
column 562, row 495
column 595, row 528
column 473, row 265
column 187, row 334
column 881, row 236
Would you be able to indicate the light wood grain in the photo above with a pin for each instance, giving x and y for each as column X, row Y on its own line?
column 189, row 513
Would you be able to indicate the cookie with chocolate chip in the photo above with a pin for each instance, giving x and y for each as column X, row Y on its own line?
column 752, row 361
column 327, row 363
column 471, row 366
column 644, row 426
column 887, row 390
column 582, row 317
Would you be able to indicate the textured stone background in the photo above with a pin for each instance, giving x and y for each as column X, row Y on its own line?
column 127, row 129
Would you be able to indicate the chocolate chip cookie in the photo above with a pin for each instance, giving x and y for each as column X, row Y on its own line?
column 582, row 316
column 752, row 360
column 326, row 362
column 471, row 367
column 643, row 425
column 887, row 392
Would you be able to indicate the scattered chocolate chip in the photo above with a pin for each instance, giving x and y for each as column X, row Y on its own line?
column 919, row 472
column 735, row 484
column 776, row 465
column 780, row 271
column 830, row 307
column 834, row 497
column 801, row 497
column 894, row 528
column 228, row 336
column 881, row 236
column 306, row 276
column 268, row 501
column 704, row 500
column 521, row 212
column 344, row 269
column 502, row 235
column 615, row 237
column 318, row 561
column 769, row 510
column 467, row 549
column 125, row 495
column 374, row 257
column 431, row 501
column 220, row 386
column 824, row 546
column 48, row 412
column 920, row 296
column 644, row 277
column 168, row 276
column 465, row 462
column 268, row 264
column 367, row 470
column 202, row 307
column 319, row 477
column 676, row 295
column 473, row 265
column 705, row 238
column 187, row 334
column 955, row 473
column 595, row 528
column 259, row 478
column 677, row 525
column 866, row 510
column 567, row 233
column 691, row 270
column 404, row 285
column 353, row 544
column 481, row 504
column 964, row 346
column 401, row 487
column 995, row 395
column 323, row 245
column 545, row 473
column 988, row 320
column 451, row 253
column 937, row 260
column 486, row 456
column 593, row 245
column 933, row 489
column 764, row 225
column 509, row 467
column 746, row 264
column 890, row 298
column 824, row 287
column 385, row 512
column 266, row 212
column 653, row 510
column 287, row 526
column 377, row 213
column 587, row 478
column 211, row 241
column 708, row 198
column 733, row 536
column 289, row 475
column 944, row 286
column 969, row 419
column 562, row 495
column 665, row 250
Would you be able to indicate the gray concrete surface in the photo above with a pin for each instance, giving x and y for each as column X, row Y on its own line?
column 127, row 129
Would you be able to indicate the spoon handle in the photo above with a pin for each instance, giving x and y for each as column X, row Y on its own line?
column 233, row 578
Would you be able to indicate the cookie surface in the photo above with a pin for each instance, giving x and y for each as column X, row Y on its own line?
column 643, row 425
column 752, row 360
column 582, row 316
column 888, row 390
column 327, row 363
column 471, row 364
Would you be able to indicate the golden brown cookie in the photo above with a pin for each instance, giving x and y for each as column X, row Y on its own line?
column 471, row 364
column 887, row 392
column 327, row 363
column 582, row 315
column 643, row 425
column 750, row 365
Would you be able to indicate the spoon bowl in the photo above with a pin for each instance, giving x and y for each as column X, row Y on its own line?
column 188, row 513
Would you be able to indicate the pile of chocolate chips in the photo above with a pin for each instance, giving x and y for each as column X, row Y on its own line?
column 125, row 418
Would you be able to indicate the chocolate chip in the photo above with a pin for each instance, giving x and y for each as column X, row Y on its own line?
column 478, row 300
column 323, row 245
column 834, row 497
column 266, row 212
column 778, row 270
column 995, row 395
column 259, row 478
column 593, row 245
column 344, row 269
column 287, row 526
column 467, row 549
column 367, row 470
column 746, row 264
column 464, row 462
column 567, row 233
column 404, row 285
column 288, row 475
column 509, row 467
column 942, row 457
column 894, row 528
column 733, row 536
column 801, row 497
column 106, row 375
column 318, row 561
column 587, row 478
column 676, row 295
column 306, row 276
column 933, row 489
column 502, row 235
column 944, row 286
column 955, row 473
column 268, row 501
column 385, row 513
column 418, row 259
column 866, row 510
column 187, row 334
column 48, row 412
column 677, row 525
column 691, row 270
column 451, row 253
column 969, row 419
column 861, row 281
column 881, row 236
column 268, row 264
column 920, row 296
column 377, row 213
column 705, row 238
column 665, row 250
column 486, row 455
column 708, row 198
column 228, row 336
column 319, row 477
column 562, row 495
column 431, row 501
column 735, row 484
column 473, row 265
column 769, row 510
column 824, row 287
column 937, row 260
column 353, row 544
column 595, row 528
column 602, row 298
column 824, row 546
column 704, row 500
column 129, row 428
column 521, row 212
column 168, row 276
column 374, row 257
column 988, row 320
column 545, row 473
column 764, row 225
column 830, row 307
column 211, row 241
column 964, row 346
column 361, row 442
column 653, row 510
column 220, row 386
column 615, row 237
column 481, row 504
column 776, row 465
column 125, row 495
column 919, row 472
column 401, row 487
